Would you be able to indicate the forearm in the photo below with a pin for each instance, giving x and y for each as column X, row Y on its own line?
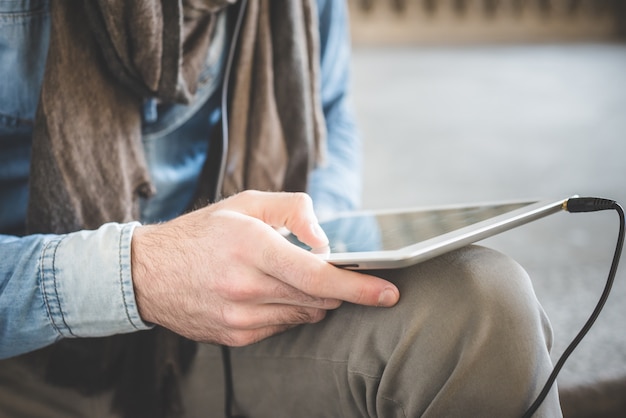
column 65, row 286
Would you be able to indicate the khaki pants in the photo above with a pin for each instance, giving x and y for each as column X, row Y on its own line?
column 468, row 339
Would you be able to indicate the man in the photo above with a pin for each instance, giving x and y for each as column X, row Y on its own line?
column 92, row 319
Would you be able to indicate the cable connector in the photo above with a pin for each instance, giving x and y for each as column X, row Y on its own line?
column 588, row 204
column 578, row 205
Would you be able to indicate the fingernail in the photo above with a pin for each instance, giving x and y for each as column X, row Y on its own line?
column 388, row 297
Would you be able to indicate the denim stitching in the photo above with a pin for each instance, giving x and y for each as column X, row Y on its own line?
column 122, row 279
column 43, row 286
column 21, row 19
column 15, row 121
column 56, row 290
column 22, row 16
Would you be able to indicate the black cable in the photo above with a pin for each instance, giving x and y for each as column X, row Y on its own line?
column 579, row 205
column 228, row 382
column 226, row 86
column 240, row 12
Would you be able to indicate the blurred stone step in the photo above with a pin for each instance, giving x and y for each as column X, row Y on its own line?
column 484, row 21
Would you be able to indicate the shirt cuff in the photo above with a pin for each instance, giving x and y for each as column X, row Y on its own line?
column 85, row 278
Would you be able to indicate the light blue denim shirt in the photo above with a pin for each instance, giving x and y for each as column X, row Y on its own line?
column 79, row 284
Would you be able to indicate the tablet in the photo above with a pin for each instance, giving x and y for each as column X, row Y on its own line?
column 398, row 238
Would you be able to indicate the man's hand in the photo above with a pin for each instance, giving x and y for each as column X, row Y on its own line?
column 223, row 274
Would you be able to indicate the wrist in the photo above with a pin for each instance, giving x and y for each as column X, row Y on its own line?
column 141, row 272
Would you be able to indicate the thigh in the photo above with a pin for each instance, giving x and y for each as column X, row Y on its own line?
column 467, row 337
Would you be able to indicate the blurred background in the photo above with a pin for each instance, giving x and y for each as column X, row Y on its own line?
column 482, row 100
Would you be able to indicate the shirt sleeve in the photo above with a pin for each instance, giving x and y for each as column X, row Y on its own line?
column 336, row 186
column 66, row 286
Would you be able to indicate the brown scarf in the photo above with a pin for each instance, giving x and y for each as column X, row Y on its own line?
column 88, row 167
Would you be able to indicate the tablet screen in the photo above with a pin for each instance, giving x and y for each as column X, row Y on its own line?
column 388, row 231
column 388, row 239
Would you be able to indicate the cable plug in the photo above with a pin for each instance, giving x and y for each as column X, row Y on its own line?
column 588, row 204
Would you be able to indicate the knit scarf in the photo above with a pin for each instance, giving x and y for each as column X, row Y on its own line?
column 87, row 165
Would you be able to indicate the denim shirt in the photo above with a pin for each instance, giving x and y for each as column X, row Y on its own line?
column 80, row 284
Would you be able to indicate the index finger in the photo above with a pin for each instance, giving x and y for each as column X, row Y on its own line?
column 315, row 277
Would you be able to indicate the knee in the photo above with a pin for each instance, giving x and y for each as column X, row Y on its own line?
column 489, row 279
column 469, row 324
column 497, row 284
column 474, row 287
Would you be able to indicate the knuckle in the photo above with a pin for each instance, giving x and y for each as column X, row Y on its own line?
column 238, row 292
column 280, row 264
column 360, row 295
column 303, row 206
column 273, row 257
column 284, row 292
column 306, row 282
column 310, row 281
column 301, row 199
column 248, row 194
column 307, row 316
column 237, row 289
column 295, row 296
column 235, row 319
column 332, row 303
column 317, row 316
column 244, row 199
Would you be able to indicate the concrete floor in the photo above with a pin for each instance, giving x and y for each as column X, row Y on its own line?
column 452, row 125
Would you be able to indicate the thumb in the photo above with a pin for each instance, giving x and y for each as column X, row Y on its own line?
column 293, row 211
